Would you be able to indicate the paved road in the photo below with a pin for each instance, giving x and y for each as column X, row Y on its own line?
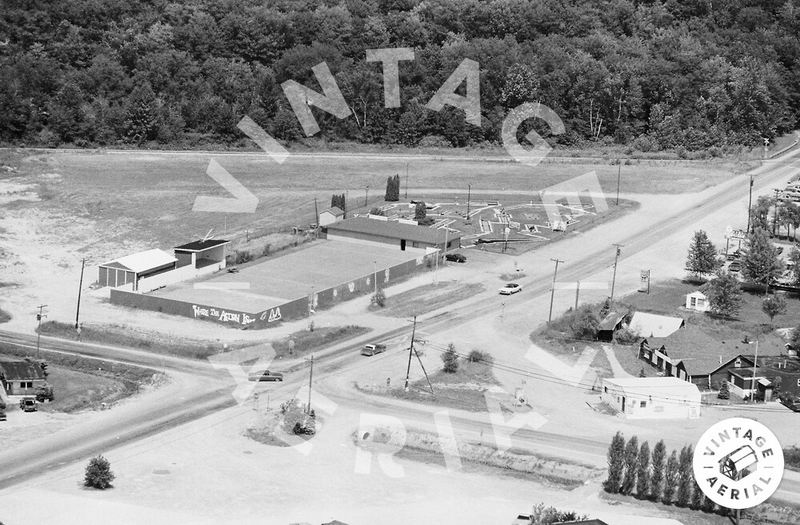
column 206, row 389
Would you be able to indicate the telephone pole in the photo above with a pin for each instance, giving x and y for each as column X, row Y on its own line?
column 410, row 352
column 614, row 278
column 577, row 293
column 553, row 289
column 80, row 285
column 619, row 171
column 469, row 193
column 406, row 180
column 39, row 328
column 366, row 195
column 749, row 204
column 310, row 377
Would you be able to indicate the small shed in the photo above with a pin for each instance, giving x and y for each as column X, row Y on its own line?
column 21, row 378
column 202, row 253
column 651, row 397
column 610, row 324
column 330, row 216
column 131, row 268
column 697, row 301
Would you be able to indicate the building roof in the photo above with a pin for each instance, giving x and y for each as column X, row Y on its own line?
column 700, row 353
column 582, row 522
column 697, row 293
column 142, row 261
column 610, row 321
column 654, row 325
column 665, row 388
column 14, row 370
column 394, row 230
column 201, row 245
column 335, row 211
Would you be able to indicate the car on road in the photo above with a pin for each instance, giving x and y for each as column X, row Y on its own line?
column 233, row 269
column 373, row 349
column 28, row 404
column 735, row 266
column 266, row 375
column 456, row 257
column 510, row 288
column 791, row 402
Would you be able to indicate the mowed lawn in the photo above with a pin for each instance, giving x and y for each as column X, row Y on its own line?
column 147, row 197
column 74, row 390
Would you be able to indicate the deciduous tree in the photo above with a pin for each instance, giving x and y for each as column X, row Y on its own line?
column 724, row 294
column 761, row 264
column 98, row 473
column 773, row 305
column 631, row 464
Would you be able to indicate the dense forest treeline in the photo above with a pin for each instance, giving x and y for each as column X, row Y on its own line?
column 693, row 74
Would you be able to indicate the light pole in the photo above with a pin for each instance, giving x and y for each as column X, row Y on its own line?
column 80, row 285
column 553, row 290
column 366, row 195
column 619, row 172
column 375, row 275
column 469, row 193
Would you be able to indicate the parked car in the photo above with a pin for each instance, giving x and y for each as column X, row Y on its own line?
column 791, row 402
column 28, row 404
column 233, row 269
column 2, row 415
column 735, row 266
column 456, row 257
column 373, row 349
column 266, row 375
column 510, row 288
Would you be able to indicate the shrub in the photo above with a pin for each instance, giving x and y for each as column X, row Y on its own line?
column 379, row 298
column 626, row 336
column 98, row 473
column 243, row 256
column 476, row 356
column 44, row 393
column 450, row 359
column 724, row 391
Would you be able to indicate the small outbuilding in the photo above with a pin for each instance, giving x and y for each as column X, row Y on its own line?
column 202, row 253
column 651, row 397
column 330, row 216
column 697, row 301
column 365, row 230
column 21, row 377
column 610, row 324
column 131, row 268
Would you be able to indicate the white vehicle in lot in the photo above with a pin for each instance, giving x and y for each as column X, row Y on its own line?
column 510, row 288
column 373, row 349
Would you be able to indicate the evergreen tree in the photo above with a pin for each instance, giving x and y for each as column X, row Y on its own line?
column 631, row 463
column 697, row 495
column 643, row 472
column 420, row 211
column 670, row 478
column 724, row 294
column 392, row 189
column 761, row 264
column 98, row 473
column 616, row 463
column 685, row 480
column 657, row 477
column 450, row 359
column 724, row 390
column 702, row 258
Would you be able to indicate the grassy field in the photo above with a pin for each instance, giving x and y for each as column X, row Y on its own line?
column 76, row 390
column 146, row 197
column 122, row 336
column 306, row 341
column 427, row 298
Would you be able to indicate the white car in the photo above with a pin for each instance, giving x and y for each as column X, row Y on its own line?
column 510, row 288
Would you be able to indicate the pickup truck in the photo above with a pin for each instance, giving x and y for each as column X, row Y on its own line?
column 373, row 349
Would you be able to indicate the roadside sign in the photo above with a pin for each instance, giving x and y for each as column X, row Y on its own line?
column 644, row 281
column 735, row 233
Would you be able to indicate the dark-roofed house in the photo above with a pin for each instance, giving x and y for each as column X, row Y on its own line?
column 21, row 378
column 690, row 354
column 400, row 234
column 202, row 253
column 131, row 268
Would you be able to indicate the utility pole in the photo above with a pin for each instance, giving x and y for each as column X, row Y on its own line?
column 410, row 352
column 80, row 285
column 755, row 367
column 469, row 192
column 366, row 195
column 39, row 329
column 749, row 204
column 775, row 214
column 619, row 172
column 375, row 275
column 553, row 289
column 316, row 219
column 310, row 377
column 577, row 293
column 614, row 279
column 406, row 180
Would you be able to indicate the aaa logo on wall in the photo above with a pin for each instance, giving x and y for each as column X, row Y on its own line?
column 738, row 463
